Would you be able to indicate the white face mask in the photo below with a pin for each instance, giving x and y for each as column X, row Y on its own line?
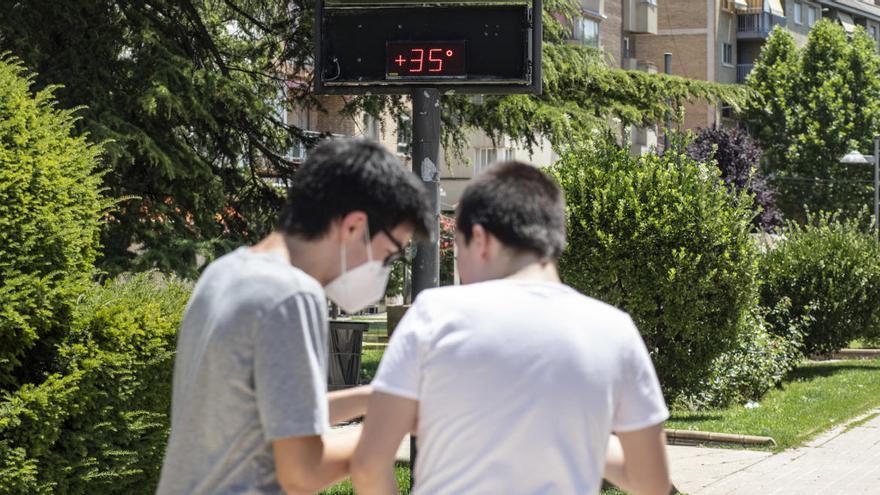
column 364, row 285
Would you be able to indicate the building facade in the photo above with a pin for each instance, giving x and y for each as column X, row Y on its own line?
column 720, row 40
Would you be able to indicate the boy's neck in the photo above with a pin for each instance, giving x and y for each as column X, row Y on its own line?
column 317, row 258
column 531, row 268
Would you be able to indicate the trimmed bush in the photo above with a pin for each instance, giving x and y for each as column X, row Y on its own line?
column 663, row 239
column 758, row 362
column 830, row 270
column 50, row 207
column 99, row 425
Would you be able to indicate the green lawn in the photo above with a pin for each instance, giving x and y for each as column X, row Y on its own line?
column 814, row 397
column 345, row 487
column 370, row 362
column 856, row 344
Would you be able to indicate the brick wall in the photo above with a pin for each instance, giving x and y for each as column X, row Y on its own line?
column 682, row 31
column 610, row 30
column 681, row 14
column 332, row 120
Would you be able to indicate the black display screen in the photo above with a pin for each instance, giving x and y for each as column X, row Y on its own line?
column 425, row 59
column 447, row 45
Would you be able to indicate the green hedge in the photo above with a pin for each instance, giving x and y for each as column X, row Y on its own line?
column 830, row 270
column 50, row 207
column 757, row 363
column 661, row 237
column 99, row 424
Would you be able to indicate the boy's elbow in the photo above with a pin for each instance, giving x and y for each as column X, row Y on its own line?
column 657, row 488
column 298, row 481
column 294, row 488
column 363, row 468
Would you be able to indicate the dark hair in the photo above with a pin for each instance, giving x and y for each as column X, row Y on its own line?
column 344, row 175
column 520, row 205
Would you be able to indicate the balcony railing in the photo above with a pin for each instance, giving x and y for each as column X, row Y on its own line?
column 742, row 71
column 757, row 25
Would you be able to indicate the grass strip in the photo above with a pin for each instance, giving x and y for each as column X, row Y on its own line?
column 813, row 398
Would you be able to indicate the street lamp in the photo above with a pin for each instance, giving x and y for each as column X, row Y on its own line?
column 854, row 157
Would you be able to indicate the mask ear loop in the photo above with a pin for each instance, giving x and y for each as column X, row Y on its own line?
column 367, row 240
column 344, row 259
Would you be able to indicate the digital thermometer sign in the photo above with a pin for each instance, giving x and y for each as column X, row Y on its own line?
column 395, row 46
column 425, row 59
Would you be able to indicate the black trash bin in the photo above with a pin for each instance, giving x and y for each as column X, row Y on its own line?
column 346, row 339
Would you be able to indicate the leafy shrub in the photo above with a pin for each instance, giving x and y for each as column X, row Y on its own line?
column 830, row 270
column 50, row 207
column 100, row 423
column 758, row 362
column 660, row 237
column 738, row 157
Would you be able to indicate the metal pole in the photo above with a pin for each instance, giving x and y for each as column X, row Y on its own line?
column 425, row 156
column 876, row 188
column 667, row 69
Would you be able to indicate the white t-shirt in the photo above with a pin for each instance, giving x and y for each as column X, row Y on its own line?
column 520, row 384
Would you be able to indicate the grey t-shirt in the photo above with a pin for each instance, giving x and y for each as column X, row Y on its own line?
column 251, row 367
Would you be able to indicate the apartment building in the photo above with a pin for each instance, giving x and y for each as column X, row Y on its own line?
column 719, row 40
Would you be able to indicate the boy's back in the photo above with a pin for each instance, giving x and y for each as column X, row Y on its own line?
column 519, row 384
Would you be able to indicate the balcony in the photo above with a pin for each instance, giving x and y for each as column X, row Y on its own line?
column 640, row 16
column 742, row 71
column 757, row 25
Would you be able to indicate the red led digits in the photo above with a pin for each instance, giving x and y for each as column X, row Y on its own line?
column 425, row 59
column 439, row 67
column 420, row 60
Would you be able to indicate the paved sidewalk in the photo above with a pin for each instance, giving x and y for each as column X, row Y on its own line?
column 839, row 462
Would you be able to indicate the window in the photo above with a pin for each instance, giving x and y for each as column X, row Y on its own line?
column 812, row 15
column 486, row 157
column 587, row 32
column 297, row 150
column 627, row 48
column 873, row 31
column 727, row 54
column 371, row 127
column 798, row 13
column 404, row 135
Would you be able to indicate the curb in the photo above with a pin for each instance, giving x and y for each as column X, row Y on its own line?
column 689, row 437
column 374, row 345
column 857, row 354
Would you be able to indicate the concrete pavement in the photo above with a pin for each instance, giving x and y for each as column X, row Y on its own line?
column 843, row 461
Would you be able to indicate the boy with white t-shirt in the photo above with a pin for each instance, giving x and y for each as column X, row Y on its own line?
column 515, row 382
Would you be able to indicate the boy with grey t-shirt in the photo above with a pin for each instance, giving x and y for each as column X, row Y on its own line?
column 250, row 405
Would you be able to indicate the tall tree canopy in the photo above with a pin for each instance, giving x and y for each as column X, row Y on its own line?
column 184, row 95
column 812, row 105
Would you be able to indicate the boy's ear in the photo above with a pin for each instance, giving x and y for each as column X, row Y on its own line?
column 481, row 240
column 351, row 224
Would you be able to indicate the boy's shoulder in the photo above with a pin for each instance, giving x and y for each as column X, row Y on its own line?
column 507, row 292
column 263, row 276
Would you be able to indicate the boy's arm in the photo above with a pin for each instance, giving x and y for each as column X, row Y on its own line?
column 636, row 461
column 345, row 405
column 305, row 465
column 391, row 417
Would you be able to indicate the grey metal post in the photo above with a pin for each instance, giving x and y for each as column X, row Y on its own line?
column 425, row 156
column 667, row 69
column 876, row 187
